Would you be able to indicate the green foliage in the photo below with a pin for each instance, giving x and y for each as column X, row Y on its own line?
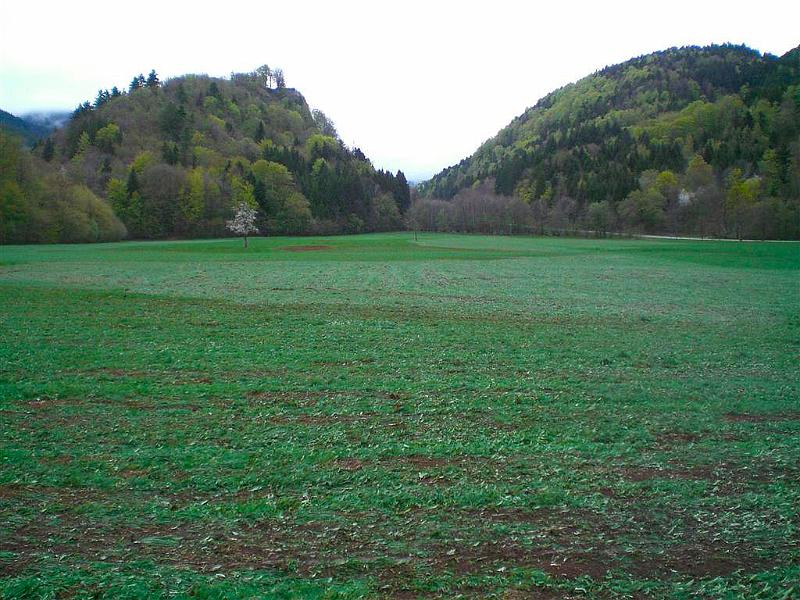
column 80, row 216
column 142, row 161
column 242, row 192
column 107, row 137
column 591, row 141
column 368, row 417
column 221, row 126
column 192, row 200
column 321, row 146
column 37, row 205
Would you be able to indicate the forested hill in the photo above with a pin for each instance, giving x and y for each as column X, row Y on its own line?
column 172, row 159
column 701, row 140
column 28, row 130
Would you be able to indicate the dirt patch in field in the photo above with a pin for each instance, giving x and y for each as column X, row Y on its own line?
column 49, row 409
column 673, row 438
column 343, row 363
column 44, row 403
column 712, row 559
column 538, row 593
column 564, row 543
column 133, row 473
column 761, row 417
column 419, row 461
column 638, row 474
column 333, row 418
column 280, row 395
column 348, row 464
column 63, row 459
column 726, row 477
column 285, row 399
column 305, row 248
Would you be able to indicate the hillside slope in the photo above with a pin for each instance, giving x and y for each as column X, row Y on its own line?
column 29, row 130
column 686, row 139
column 173, row 159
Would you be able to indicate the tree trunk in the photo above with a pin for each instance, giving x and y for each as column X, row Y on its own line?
column 245, row 241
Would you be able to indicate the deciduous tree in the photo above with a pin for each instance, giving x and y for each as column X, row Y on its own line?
column 244, row 221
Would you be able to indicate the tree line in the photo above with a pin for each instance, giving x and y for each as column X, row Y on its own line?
column 590, row 150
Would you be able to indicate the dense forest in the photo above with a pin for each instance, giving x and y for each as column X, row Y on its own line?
column 172, row 159
column 699, row 141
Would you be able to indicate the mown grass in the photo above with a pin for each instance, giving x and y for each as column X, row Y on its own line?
column 375, row 417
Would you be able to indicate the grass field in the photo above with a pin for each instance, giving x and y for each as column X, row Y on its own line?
column 368, row 416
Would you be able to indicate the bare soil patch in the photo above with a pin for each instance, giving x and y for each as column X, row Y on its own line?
column 564, row 543
column 348, row 464
column 762, row 417
column 673, row 438
column 419, row 461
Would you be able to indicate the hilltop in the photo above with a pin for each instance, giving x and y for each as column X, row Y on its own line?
column 695, row 140
column 173, row 158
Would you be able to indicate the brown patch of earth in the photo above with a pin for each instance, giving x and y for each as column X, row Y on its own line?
column 716, row 559
column 677, row 437
column 566, row 543
column 505, row 554
column 348, row 464
column 638, row 474
column 761, row 417
column 726, row 477
column 420, row 461
column 131, row 473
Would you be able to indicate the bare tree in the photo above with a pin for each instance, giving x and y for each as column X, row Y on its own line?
column 265, row 74
column 280, row 79
column 244, row 221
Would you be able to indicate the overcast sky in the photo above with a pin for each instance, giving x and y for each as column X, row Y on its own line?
column 416, row 85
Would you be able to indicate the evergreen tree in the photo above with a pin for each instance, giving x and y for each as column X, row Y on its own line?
column 48, row 150
column 402, row 193
column 152, row 80
column 103, row 96
column 259, row 132
column 132, row 185
column 180, row 94
column 135, row 84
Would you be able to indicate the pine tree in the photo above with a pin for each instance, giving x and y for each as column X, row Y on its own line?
column 402, row 194
column 259, row 132
column 135, row 84
column 103, row 96
column 180, row 94
column 152, row 80
column 49, row 150
column 132, row 184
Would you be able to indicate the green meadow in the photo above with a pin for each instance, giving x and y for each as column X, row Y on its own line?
column 378, row 417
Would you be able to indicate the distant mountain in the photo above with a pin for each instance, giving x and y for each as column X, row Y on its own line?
column 694, row 140
column 49, row 119
column 29, row 130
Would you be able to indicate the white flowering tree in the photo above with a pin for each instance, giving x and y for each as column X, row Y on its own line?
column 244, row 221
